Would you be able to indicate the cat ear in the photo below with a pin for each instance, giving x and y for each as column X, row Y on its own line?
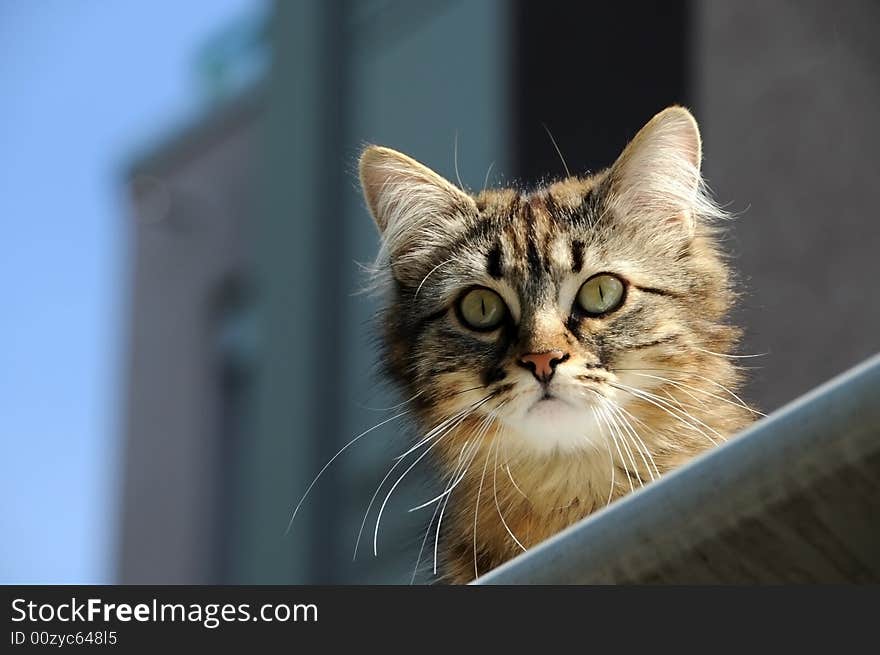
column 416, row 209
column 657, row 177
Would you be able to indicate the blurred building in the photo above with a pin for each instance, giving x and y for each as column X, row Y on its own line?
column 251, row 362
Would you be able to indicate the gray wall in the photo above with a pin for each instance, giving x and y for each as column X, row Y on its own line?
column 788, row 96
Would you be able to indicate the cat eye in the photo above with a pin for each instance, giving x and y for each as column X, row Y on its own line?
column 482, row 309
column 601, row 294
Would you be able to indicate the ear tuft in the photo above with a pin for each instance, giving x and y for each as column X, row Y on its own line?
column 657, row 177
column 416, row 209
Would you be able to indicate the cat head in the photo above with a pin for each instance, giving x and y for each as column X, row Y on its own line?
column 535, row 308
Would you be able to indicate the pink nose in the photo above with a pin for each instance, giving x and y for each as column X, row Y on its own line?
column 542, row 365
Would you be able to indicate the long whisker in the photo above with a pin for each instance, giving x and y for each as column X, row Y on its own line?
column 424, row 279
column 515, row 485
column 472, row 457
column 458, row 393
column 683, row 388
column 482, row 429
column 428, row 437
column 604, row 418
column 635, row 419
column 488, row 171
column 437, row 440
column 424, row 541
column 647, row 450
column 688, row 414
column 626, row 447
column 497, row 504
column 610, row 457
column 446, row 492
column 510, row 475
column 558, row 151
column 664, row 405
column 393, row 407
column 680, row 384
column 669, row 409
column 710, row 352
column 431, row 522
column 477, row 445
column 455, row 161
column 394, row 486
column 637, row 440
column 391, row 470
column 691, row 374
column 333, row 459
column 624, row 430
column 477, row 512
column 675, row 401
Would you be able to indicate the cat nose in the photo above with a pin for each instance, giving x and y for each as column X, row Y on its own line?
column 543, row 365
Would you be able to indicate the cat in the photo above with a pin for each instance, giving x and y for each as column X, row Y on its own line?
column 561, row 347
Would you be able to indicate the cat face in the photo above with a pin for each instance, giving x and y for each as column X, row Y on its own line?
column 535, row 309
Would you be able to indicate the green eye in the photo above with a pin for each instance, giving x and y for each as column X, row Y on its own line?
column 482, row 309
column 601, row 294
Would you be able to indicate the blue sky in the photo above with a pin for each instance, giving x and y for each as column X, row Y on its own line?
column 84, row 86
